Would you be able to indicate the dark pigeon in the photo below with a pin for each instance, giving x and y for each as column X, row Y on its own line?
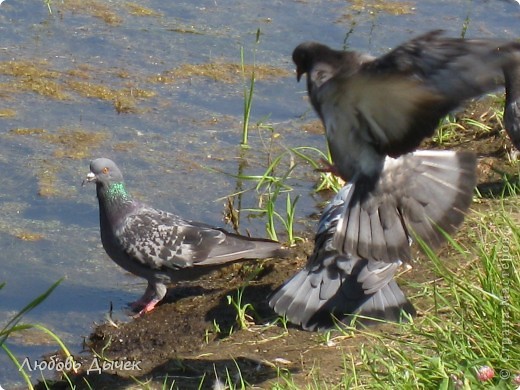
column 376, row 111
column 341, row 282
column 159, row 246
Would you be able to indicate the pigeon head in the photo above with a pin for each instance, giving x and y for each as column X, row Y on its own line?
column 303, row 58
column 307, row 54
column 104, row 171
column 109, row 181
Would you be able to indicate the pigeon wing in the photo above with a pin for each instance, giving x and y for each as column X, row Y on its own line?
column 402, row 96
column 421, row 194
column 160, row 239
column 337, row 285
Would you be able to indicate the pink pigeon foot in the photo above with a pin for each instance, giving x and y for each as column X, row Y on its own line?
column 147, row 308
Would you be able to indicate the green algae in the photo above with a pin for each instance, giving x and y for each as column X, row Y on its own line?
column 7, row 113
column 376, row 6
column 138, row 10
column 63, row 85
column 224, row 72
column 98, row 9
column 66, row 144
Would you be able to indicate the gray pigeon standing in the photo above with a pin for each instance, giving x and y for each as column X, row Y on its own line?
column 339, row 282
column 159, row 246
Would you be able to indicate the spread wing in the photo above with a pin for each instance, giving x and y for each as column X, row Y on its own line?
column 415, row 196
column 331, row 270
column 399, row 98
column 337, row 285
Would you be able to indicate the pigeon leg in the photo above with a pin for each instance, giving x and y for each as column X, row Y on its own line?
column 147, row 297
column 154, row 294
column 328, row 168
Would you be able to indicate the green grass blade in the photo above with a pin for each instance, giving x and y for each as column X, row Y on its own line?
column 22, row 372
column 4, row 332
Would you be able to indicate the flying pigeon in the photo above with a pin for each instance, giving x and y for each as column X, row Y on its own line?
column 376, row 111
column 159, row 246
column 388, row 105
column 341, row 282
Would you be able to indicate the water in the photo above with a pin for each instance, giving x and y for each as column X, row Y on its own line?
column 178, row 148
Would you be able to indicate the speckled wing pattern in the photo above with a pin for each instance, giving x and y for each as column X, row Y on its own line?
column 160, row 239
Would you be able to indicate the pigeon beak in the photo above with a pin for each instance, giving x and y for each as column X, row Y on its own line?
column 299, row 74
column 90, row 178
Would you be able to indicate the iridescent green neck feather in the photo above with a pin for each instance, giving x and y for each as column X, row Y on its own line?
column 117, row 192
column 113, row 196
column 114, row 202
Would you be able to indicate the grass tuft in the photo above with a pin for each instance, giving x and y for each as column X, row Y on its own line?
column 472, row 327
column 14, row 326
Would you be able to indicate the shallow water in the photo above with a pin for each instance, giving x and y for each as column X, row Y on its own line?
column 176, row 140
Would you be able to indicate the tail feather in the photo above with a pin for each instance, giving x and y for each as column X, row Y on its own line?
column 338, row 297
column 236, row 247
column 364, row 234
column 287, row 298
column 421, row 194
column 388, row 304
column 448, row 182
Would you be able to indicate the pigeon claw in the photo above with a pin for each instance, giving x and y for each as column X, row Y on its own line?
column 148, row 307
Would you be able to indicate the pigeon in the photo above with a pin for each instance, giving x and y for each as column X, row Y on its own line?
column 340, row 284
column 388, row 105
column 160, row 246
column 375, row 113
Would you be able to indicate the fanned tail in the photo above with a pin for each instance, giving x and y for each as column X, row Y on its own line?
column 424, row 194
column 318, row 298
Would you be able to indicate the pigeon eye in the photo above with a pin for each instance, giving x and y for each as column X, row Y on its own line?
column 105, row 170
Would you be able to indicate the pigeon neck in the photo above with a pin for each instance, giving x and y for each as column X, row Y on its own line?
column 114, row 198
column 117, row 191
